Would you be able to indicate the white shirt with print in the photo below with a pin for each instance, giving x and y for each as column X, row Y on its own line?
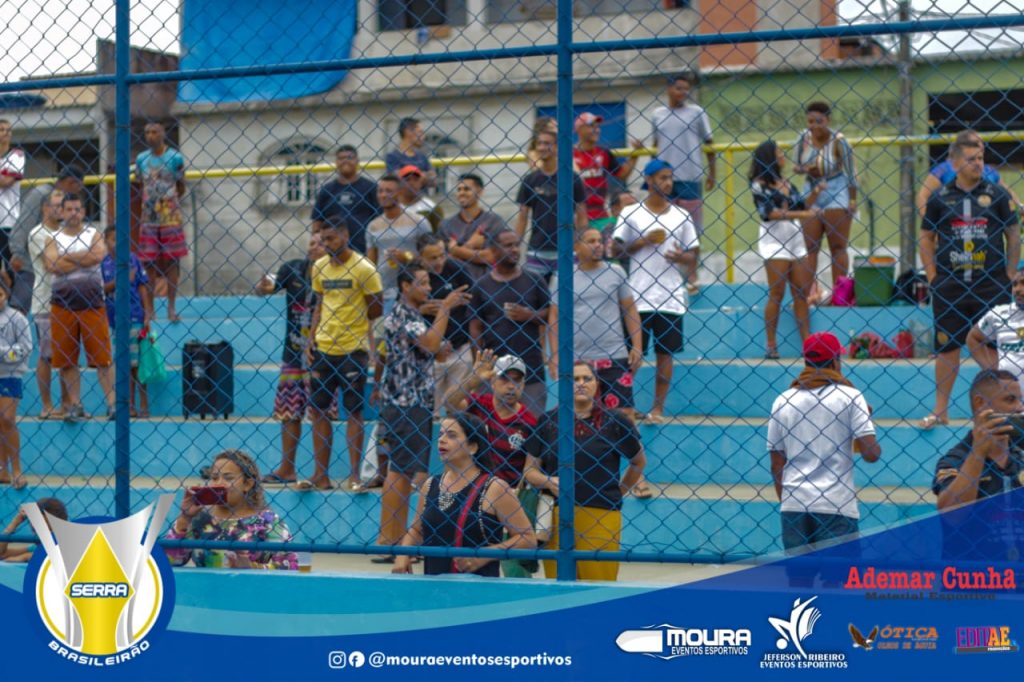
column 657, row 284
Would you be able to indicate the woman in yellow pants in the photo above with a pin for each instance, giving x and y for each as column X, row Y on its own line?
column 603, row 437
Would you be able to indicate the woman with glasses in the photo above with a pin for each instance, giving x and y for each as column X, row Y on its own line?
column 603, row 438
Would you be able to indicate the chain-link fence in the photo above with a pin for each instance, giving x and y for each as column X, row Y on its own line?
column 347, row 225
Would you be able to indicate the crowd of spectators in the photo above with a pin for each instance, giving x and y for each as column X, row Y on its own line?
column 461, row 312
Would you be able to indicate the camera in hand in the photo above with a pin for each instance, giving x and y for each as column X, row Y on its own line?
column 1016, row 420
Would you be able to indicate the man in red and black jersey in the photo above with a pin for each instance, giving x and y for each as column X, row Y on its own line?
column 511, row 431
column 596, row 166
column 970, row 246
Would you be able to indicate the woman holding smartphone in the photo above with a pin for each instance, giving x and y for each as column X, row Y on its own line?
column 781, row 240
column 231, row 508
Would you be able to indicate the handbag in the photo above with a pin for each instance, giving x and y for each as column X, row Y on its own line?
column 152, row 369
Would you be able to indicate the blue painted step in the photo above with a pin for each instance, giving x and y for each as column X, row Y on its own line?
column 895, row 389
column 667, row 525
column 676, row 453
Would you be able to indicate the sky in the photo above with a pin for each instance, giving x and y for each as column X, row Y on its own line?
column 58, row 36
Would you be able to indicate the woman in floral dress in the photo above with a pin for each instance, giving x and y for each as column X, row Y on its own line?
column 240, row 514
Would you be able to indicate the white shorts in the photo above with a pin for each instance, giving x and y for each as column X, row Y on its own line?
column 781, row 240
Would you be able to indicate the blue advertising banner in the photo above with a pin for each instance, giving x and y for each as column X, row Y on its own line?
column 938, row 598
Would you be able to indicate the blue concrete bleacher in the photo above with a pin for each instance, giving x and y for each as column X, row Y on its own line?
column 722, row 387
column 659, row 525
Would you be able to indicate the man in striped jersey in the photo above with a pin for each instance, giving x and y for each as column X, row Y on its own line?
column 997, row 341
column 511, row 430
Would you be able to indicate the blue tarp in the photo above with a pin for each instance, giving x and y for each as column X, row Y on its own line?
column 222, row 33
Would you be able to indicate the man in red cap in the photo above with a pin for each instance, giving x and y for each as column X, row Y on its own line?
column 814, row 430
column 414, row 199
column 596, row 165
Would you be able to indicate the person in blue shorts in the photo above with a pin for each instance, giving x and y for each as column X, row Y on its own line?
column 15, row 347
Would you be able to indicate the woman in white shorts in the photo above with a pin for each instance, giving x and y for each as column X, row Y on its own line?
column 781, row 240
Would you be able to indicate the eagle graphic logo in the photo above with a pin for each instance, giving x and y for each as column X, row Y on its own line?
column 859, row 641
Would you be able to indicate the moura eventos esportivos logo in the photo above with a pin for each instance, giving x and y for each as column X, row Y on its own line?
column 99, row 591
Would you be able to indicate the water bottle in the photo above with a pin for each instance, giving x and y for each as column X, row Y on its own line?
column 922, row 333
column 305, row 561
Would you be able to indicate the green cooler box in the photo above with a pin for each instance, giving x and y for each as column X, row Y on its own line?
column 873, row 279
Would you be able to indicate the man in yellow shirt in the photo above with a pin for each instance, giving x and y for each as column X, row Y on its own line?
column 349, row 297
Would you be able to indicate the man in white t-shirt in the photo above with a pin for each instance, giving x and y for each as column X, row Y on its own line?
column 12, row 170
column 660, row 240
column 42, row 290
column 681, row 130
column 997, row 340
column 814, row 430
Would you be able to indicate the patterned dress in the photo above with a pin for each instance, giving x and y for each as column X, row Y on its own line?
column 264, row 526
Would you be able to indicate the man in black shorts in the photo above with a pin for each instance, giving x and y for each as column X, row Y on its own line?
column 348, row 291
column 970, row 246
column 407, row 395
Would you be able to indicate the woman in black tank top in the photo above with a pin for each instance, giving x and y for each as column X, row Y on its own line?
column 465, row 506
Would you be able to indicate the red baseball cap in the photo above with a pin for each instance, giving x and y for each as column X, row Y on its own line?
column 822, row 347
column 409, row 170
column 587, row 119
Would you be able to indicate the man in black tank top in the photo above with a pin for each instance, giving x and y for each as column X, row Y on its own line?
column 970, row 246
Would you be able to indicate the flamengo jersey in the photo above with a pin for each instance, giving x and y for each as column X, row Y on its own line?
column 594, row 167
column 511, row 439
column 12, row 165
column 971, row 227
column 1004, row 326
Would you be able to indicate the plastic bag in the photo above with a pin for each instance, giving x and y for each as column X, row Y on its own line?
column 152, row 369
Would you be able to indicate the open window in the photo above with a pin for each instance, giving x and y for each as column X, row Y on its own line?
column 399, row 15
column 984, row 111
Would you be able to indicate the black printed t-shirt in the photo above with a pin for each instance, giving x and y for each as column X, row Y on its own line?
column 539, row 191
column 970, row 227
column 597, row 458
column 503, row 335
column 293, row 277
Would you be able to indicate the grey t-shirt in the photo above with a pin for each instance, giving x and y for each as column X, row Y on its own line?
column 597, row 311
column 400, row 233
column 455, row 227
column 679, row 135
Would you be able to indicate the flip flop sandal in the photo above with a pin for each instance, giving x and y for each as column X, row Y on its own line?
column 930, row 422
column 642, row 491
column 308, row 486
column 274, row 479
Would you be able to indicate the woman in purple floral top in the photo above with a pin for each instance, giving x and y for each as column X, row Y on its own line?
column 241, row 515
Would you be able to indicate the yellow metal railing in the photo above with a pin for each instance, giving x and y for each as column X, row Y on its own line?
column 728, row 151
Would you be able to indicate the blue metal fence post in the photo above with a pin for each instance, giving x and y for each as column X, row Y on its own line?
column 566, row 211
column 122, row 196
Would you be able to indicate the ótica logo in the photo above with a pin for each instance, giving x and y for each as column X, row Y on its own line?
column 100, row 590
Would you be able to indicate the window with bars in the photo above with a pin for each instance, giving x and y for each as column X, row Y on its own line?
column 298, row 189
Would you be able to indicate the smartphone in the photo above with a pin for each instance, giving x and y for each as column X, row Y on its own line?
column 209, row 495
